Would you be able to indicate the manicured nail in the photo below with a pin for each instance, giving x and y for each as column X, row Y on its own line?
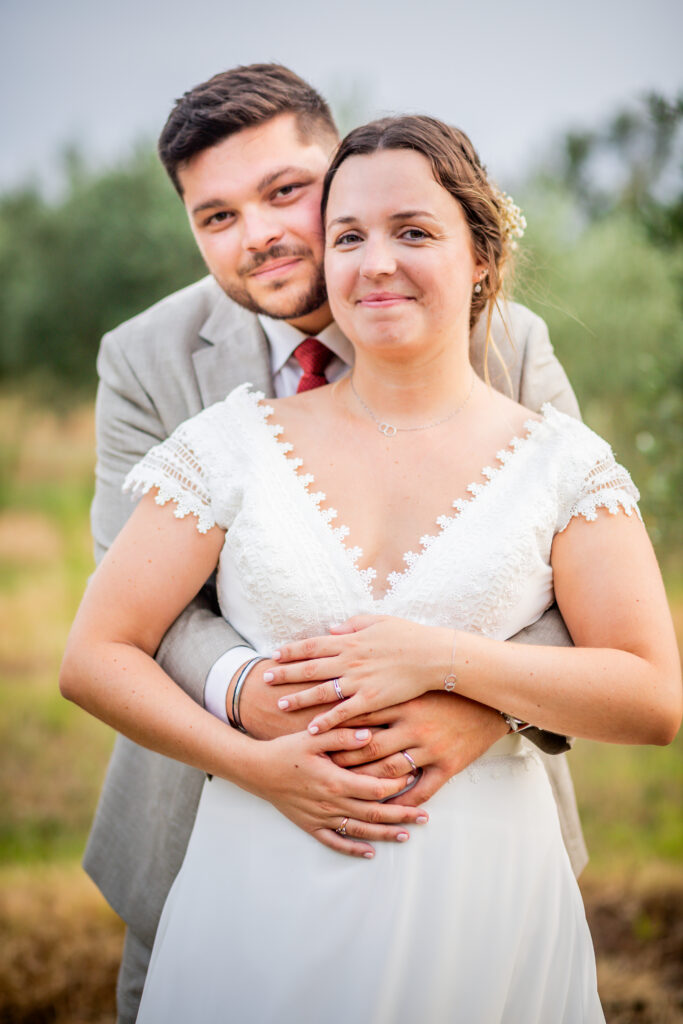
column 275, row 656
column 401, row 837
column 410, row 778
column 422, row 819
column 283, row 703
column 313, row 729
column 268, row 677
column 362, row 734
column 368, row 855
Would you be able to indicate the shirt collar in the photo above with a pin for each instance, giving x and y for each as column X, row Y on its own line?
column 283, row 339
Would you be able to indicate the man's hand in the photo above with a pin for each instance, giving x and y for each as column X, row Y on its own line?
column 260, row 715
column 442, row 732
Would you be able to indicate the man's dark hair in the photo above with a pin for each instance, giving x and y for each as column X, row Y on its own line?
column 237, row 99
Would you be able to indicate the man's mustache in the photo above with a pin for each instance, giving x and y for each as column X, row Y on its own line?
column 276, row 252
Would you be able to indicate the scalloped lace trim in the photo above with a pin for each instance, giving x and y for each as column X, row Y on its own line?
column 178, row 476
column 341, row 532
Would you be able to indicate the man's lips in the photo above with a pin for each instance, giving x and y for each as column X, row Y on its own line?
column 382, row 299
column 275, row 267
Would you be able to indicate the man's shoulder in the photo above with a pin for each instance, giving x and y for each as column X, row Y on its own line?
column 179, row 318
column 519, row 321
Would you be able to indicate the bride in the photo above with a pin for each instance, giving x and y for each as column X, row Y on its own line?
column 410, row 489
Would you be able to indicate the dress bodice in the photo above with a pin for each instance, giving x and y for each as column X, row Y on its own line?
column 287, row 569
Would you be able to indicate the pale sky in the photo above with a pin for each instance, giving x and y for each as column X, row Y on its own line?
column 513, row 73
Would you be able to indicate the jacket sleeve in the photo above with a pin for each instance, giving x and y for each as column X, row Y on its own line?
column 127, row 425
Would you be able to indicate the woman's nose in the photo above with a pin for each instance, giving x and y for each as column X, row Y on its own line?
column 378, row 258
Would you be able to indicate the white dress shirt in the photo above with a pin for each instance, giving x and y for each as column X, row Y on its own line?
column 282, row 340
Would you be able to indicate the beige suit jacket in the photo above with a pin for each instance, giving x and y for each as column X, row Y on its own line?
column 156, row 370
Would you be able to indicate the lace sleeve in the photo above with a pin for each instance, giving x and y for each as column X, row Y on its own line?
column 606, row 485
column 175, row 469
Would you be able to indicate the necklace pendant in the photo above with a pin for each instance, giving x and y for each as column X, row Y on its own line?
column 387, row 429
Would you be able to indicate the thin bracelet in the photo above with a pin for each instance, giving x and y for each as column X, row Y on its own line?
column 237, row 692
column 451, row 679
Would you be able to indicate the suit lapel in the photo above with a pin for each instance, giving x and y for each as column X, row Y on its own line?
column 234, row 349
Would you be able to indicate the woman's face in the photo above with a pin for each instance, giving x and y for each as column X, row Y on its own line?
column 399, row 260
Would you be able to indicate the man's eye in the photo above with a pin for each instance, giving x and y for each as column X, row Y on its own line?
column 285, row 191
column 217, row 218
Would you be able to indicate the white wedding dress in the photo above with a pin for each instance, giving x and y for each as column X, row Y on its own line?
column 477, row 919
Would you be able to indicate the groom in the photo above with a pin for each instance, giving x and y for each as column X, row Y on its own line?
column 247, row 152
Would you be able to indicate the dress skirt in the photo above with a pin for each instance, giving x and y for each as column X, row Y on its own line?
column 477, row 919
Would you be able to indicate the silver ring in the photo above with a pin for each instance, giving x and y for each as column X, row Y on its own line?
column 341, row 831
column 337, row 688
column 409, row 760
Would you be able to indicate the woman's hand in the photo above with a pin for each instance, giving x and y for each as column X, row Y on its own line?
column 377, row 661
column 296, row 774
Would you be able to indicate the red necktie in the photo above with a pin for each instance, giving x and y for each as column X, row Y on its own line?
column 312, row 356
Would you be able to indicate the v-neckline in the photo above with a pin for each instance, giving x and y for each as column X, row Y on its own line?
column 340, row 532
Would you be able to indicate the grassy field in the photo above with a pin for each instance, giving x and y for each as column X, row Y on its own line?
column 59, row 943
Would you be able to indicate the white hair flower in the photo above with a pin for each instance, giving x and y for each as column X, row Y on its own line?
column 513, row 221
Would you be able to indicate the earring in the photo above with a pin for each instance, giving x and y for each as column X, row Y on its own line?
column 477, row 288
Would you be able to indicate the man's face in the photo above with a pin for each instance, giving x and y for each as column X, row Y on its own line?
column 254, row 206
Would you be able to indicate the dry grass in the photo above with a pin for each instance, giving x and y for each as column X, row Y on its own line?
column 59, row 949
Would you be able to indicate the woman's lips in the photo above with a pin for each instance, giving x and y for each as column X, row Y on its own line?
column 276, row 267
column 382, row 299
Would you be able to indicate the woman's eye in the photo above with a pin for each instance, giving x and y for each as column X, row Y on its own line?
column 348, row 238
column 414, row 234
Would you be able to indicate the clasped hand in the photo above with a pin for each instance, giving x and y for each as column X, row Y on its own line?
column 404, row 655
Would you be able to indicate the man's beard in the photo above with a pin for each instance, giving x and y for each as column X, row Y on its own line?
column 307, row 303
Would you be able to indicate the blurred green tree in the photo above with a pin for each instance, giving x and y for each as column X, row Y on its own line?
column 75, row 267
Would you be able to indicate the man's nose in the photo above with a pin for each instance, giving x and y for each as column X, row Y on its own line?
column 378, row 258
column 260, row 231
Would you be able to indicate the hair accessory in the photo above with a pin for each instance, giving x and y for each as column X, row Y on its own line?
column 390, row 430
column 451, row 679
column 512, row 219
column 237, row 693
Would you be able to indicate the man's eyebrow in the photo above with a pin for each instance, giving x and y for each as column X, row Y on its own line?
column 209, row 204
column 268, row 179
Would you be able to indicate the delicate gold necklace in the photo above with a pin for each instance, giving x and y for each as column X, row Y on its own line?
column 390, row 430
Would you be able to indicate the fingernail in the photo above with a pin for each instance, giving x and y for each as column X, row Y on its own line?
column 275, row 656
column 422, row 819
column 313, row 729
column 368, row 855
column 362, row 734
column 401, row 837
column 268, row 677
column 283, row 703
column 411, row 778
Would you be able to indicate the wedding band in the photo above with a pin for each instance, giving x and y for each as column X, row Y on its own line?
column 337, row 688
column 409, row 760
column 342, row 828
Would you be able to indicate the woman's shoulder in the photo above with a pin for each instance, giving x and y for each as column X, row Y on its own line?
column 586, row 473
